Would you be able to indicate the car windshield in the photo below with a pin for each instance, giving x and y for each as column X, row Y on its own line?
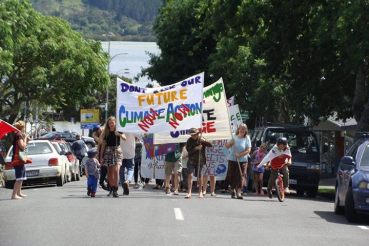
column 57, row 147
column 365, row 159
column 38, row 148
column 303, row 144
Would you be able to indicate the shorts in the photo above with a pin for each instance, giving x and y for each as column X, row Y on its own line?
column 172, row 167
column 208, row 170
column 193, row 169
column 113, row 156
column 20, row 173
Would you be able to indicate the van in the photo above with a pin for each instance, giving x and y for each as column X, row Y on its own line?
column 305, row 168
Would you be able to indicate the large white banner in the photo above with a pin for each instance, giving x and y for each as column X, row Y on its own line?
column 215, row 125
column 174, row 107
column 216, row 157
column 234, row 117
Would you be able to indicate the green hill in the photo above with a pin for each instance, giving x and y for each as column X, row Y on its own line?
column 121, row 19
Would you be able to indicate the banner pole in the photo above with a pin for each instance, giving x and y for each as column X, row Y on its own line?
column 199, row 180
column 154, row 166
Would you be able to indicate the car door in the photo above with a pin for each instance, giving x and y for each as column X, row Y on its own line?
column 344, row 173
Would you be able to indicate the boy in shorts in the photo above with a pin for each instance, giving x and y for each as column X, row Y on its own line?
column 173, row 166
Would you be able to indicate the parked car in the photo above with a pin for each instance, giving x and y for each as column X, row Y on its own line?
column 352, row 181
column 68, row 137
column 63, row 148
column 47, row 164
column 305, row 168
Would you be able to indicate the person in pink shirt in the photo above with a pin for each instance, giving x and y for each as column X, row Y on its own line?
column 257, row 157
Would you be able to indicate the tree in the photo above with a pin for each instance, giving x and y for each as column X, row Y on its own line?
column 284, row 60
column 184, row 51
column 45, row 61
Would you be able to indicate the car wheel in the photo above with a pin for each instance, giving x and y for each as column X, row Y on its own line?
column 60, row 180
column 312, row 192
column 73, row 176
column 9, row 184
column 300, row 192
column 350, row 212
column 338, row 209
column 77, row 175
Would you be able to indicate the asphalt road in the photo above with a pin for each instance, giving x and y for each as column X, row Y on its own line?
column 66, row 216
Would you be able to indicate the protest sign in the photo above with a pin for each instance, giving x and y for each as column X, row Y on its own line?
column 215, row 125
column 230, row 101
column 216, row 157
column 235, row 117
column 169, row 108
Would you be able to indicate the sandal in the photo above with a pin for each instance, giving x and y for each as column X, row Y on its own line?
column 188, row 196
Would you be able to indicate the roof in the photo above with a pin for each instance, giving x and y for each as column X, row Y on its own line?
column 335, row 124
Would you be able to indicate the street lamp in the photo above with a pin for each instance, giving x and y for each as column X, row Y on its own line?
column 107, row 88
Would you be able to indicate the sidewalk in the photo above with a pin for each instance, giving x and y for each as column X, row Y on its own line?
column 327, row 183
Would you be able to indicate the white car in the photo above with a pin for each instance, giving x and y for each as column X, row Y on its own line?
column 47, row 164
column 58, row 145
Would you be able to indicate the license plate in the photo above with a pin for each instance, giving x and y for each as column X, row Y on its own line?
column 32, row 173
column 293, row 181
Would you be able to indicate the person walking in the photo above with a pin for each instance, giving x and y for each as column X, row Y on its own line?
column 112, row 154
column 256, row 158
column 92, row 166
column 129, row 151
column 79, row 149
column 196, row 159
column 137, row 168
column 173, row 166
column 19, row 144
column 96, row 133
column 184, row 172
column 240, row 147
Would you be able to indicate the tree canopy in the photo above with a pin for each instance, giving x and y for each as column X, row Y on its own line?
column 283, row 60
column 45, row 62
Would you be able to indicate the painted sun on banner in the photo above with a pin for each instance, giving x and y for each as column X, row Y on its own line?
column 162, row 109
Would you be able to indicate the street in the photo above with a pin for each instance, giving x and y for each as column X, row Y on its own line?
column 66, row 216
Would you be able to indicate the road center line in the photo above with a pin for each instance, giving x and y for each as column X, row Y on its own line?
column 363, row 227
column 178, row 214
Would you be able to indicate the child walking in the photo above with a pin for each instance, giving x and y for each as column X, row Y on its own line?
column 257, row 157
column 92, row 166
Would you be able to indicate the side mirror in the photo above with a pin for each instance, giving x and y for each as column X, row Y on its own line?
column 348, row 160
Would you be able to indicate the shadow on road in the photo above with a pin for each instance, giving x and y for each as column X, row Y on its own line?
column 340, row 219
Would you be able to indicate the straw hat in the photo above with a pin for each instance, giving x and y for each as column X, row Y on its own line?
column 20, row 124
column 194, row 131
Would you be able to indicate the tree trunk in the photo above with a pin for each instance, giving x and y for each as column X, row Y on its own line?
column 363, row 124
column 361, row 93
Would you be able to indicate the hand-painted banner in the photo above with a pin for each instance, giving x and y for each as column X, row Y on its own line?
column 230, row 101
column 234, row 117
column 157, row 150
column 174, row 107
column 215, row 125
column 216, row 158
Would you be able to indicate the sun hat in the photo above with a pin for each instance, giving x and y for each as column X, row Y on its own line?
column 194, row 131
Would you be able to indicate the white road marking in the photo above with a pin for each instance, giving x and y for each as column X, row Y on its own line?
column 178, row 214
column 363, row 227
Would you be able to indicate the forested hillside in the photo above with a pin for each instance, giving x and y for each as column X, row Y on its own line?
column 122, row 19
